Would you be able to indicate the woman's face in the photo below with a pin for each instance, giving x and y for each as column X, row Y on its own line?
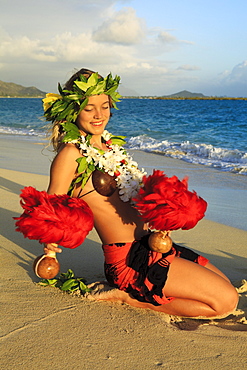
column 95, row 116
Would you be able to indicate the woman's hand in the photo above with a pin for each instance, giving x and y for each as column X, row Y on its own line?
column 52, row 247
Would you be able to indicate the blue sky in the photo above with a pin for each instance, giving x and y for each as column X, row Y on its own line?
column 158, row 47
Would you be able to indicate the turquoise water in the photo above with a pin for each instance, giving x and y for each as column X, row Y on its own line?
column 207, row 132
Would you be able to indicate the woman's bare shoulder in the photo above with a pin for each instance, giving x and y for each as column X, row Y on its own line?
column 66, row 157
column 69, row 151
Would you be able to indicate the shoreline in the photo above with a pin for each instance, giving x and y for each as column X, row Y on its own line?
column 226, row 193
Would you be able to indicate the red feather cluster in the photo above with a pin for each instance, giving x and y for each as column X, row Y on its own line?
column 56, row 219
column 167, row 204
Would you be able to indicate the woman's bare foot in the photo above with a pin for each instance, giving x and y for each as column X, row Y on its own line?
column 102, row 291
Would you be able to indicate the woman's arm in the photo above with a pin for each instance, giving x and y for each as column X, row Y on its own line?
column 63, row 171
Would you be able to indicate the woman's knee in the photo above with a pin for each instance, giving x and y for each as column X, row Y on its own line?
column 188, row 280
column 227, row 301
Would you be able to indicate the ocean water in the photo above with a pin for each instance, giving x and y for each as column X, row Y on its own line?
column 207, row 132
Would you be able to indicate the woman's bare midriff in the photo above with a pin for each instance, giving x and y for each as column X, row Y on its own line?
column 114, row 220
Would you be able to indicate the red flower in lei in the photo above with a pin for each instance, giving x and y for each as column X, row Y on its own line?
column 167, row 204
column 56, row 219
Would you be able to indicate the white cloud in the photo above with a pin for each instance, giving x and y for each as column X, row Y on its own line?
column 83, row 49
column 232, row 83
column 124, row 27
column 188, row 67
column 20, row 48
column 64, row 47
column 167, row 38
column 237, row 75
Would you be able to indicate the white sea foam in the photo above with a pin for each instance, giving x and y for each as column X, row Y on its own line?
column 228, row 160
column 199, row 153
column 20, row 131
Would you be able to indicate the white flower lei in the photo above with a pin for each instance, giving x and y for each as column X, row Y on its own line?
column 116, row 162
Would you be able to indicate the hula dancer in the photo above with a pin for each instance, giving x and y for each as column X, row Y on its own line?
column 92, row 164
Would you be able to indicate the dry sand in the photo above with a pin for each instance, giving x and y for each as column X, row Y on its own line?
column 44, row 328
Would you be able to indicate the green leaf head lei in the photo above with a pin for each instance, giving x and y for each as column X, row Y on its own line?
column 67, row 105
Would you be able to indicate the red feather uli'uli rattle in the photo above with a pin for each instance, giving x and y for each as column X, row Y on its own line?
column 166, row 204
column 53, row 219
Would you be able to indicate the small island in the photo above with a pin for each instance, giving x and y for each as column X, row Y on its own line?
column 186, row 95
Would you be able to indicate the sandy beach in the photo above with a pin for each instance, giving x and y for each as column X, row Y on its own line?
column 42, row 327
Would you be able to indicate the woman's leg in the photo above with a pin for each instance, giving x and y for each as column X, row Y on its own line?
column 211, row 267
column 198, row 291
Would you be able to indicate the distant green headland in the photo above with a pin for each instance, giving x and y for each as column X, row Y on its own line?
column 12, row 90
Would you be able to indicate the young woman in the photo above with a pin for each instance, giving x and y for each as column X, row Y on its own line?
column 91, row 163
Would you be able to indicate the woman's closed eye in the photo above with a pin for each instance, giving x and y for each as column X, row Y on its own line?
column 90, row 109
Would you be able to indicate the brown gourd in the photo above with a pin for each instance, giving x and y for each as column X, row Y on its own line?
column 46, row 266
column 160, row 242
